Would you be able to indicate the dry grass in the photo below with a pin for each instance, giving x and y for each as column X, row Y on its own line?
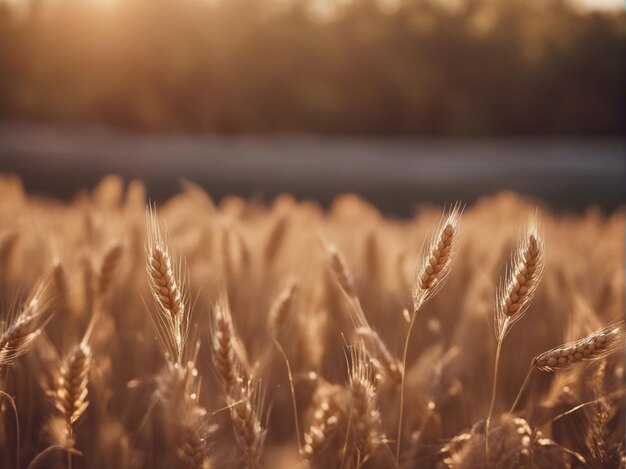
column 157, row 337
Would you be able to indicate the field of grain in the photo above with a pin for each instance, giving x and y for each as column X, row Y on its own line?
column 200, row 335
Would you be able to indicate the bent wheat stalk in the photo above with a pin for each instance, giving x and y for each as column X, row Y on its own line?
column 375, row 347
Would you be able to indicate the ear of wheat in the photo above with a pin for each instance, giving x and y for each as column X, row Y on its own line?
column 365, row 418
column 340, row 270
column 71, row 393
column 596, row 346
column 437, row 261
column 228, row 353
column 61, row 284
column 246, row 410
column 186, row 422
column 276, row 239
column 171, row 320
column 17, row 336
column 109, row 268
column 518, row 289
column 327, row 419
column 281, row 307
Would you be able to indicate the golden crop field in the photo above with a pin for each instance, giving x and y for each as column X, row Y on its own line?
column 239, row 334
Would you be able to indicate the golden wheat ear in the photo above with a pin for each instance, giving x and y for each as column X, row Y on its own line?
column 596, row 346
column 431, row 274
column 281, row 307
column 18, row 334
column 522, row 278
column 339, row 268
column 228, row 353
column 246, row 404
column 71, row 393
column 171, row 318
column 329, row 412
column 365, row 418
column 109, row 268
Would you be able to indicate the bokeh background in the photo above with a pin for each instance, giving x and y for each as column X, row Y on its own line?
column 401, row 101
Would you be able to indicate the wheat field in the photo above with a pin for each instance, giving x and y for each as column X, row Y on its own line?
column 201, row 335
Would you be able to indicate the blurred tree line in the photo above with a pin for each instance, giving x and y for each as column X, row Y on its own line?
column 425, row 67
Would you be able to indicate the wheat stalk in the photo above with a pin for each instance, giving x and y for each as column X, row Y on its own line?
column 374, row 345
column 429, row 278
column 513, row 298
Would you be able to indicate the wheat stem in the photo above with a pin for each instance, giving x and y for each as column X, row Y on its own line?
column 402, row 383
column 493, row 396
column 292, row 391
column 17, row 427
column 521, row 389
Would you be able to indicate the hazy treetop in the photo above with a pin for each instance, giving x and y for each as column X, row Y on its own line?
column 419, row 67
